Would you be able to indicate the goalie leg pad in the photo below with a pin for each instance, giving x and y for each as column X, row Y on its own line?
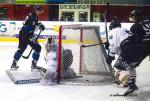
column 50, row 78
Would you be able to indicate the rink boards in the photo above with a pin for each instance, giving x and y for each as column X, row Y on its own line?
column 21, row 77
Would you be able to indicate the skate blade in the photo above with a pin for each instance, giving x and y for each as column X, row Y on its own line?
column 117, row 94
column 135, row 93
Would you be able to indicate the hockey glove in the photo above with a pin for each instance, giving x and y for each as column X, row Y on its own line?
column 110, row 59
column 33, row 38
column 41, row 26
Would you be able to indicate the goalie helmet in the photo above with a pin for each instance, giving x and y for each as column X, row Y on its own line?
column 49, row 43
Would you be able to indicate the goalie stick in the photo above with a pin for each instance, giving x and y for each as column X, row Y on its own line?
column 26, row 57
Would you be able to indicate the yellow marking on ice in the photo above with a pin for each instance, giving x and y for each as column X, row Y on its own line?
column 78, row 42
column 42, row 40
column 9, row 40
column 15, row 40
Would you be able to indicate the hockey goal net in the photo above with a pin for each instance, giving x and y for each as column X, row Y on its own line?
column 88, row 55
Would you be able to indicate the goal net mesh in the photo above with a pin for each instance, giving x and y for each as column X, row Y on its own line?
column 86, row 61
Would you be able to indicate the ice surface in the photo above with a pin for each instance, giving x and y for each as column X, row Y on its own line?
column 37, row 92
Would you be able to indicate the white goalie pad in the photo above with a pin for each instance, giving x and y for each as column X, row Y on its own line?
column 22, row 77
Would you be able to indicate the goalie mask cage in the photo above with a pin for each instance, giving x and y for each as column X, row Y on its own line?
column 88, row 55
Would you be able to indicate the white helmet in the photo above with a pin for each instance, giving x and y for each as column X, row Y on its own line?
column 50, row 42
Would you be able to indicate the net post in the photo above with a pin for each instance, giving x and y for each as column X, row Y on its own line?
column 59, row 54
column 81, row 41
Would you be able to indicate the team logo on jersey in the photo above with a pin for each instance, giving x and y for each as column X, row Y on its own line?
column 110, row 37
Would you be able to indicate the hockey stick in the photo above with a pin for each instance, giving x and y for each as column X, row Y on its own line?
column 84, row 46
column 26, row 57
column 105, row 53
column 105, row 18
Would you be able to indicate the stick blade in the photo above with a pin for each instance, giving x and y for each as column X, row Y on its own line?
column 25, row 57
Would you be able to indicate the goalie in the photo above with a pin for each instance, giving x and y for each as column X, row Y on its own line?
column 50, row 56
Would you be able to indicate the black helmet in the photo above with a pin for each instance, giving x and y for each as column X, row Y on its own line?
column 136, row 13
column 114, row 24
column 38, row 8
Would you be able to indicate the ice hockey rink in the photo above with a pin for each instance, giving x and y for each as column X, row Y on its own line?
column 37, row 92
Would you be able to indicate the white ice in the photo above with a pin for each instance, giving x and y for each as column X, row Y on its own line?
column 36, row 92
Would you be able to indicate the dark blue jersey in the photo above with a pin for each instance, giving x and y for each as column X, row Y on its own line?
column 140, row 29
column 29, row 25
column 137, row 29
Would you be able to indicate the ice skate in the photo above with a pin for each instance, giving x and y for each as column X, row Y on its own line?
column 35, row 67
column 133, row 89
column 14, row 65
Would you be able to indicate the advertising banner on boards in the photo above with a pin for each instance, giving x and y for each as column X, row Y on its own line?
column 10, row 29
column 30, row 1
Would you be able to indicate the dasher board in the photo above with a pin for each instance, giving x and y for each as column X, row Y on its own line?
column 21, row 77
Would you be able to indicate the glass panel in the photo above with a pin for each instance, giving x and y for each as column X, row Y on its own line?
column 67, row 16
column 83, row 16
column 3, row 13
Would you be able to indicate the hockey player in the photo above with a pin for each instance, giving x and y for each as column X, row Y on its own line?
column 27, row 37
column 136, row 47
column 141, row 29
column 133, row 51
column 115, row 37
column 50, row 56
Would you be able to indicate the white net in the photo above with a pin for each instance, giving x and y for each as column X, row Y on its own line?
column 88, row 55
